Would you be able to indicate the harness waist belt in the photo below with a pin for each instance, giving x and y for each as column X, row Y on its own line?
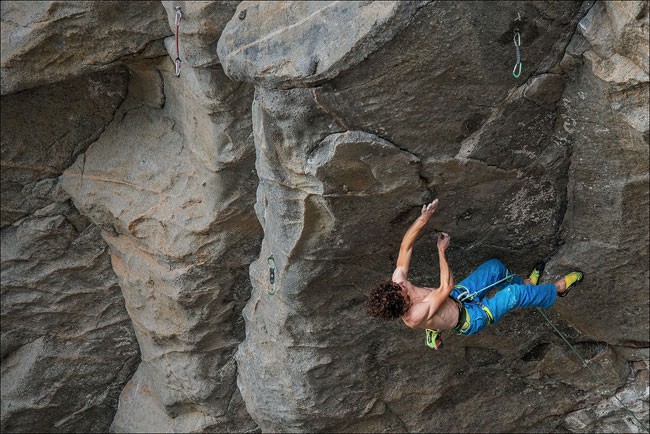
column 462, row 316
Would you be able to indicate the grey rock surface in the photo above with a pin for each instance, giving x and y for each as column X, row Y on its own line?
column 199, row 29
column 48, row 41
column 143, row 214
column 608, row 180
column 260, row 43
column 311, row 191
column 38, row 143
column 171, row 183
column 498, row 155
column 62, row 309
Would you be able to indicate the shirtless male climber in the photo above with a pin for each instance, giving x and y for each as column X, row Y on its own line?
column 460, row 307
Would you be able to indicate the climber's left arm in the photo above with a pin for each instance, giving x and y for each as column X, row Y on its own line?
column 411, row 235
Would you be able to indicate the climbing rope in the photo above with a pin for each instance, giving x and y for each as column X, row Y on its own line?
column 465, row 296
column 271, row 263
column 179, row 16
column 517, row 40
column 592, row 372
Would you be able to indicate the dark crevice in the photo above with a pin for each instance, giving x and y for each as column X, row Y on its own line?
column 629, row 343
column 162, row 86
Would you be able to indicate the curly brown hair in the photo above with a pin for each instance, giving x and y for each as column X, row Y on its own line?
column 386, row 301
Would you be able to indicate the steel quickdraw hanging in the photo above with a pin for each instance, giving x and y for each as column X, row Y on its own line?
column 516, row 71
column 271, row 263
column 177, row 62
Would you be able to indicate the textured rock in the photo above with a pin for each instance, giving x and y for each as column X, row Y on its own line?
column 62, row 309
column 68, row 346
column 201, row 25
column 613, row 31
column 608, row 180
column 466, row 66
column 48, row 41
column 259, row 43
column 32, row 122
column 171, row 183
column 361, row 112
column 311, row 192
column 608, row 415
column 497, row 154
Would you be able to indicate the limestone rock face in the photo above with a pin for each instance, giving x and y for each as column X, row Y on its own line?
column 199, row 30
column 608, row 183
column 202, row 245
column 171, row 183
column 436, row 103
column 62, row 308
column 38, row 144
column 48, row 41
column 259, row 43
column 57, row 374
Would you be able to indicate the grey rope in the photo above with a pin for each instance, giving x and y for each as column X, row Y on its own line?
column 466, row 296
column 593, row 373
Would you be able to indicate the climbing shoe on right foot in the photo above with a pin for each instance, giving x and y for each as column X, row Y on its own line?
column 538, row 269
column 571, row 280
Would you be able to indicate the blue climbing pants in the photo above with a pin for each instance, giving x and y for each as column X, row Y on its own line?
column 511, row 293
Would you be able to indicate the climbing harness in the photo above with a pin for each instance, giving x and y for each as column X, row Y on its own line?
column 432, row 337
column 593, row 373
column 177, row 62
column 516, row 72
column 271, row 263
column 466, row 296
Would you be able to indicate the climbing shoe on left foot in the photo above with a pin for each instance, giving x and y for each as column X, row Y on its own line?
column 571, row 280
column 538, row 269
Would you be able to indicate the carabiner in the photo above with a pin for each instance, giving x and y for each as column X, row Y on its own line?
column 178, row 67
column 179, row 16
column 464, row 296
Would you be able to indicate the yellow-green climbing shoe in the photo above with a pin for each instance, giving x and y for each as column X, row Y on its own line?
column 572, row 279
column 538, row 269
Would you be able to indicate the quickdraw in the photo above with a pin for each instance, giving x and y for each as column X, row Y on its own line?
column 516, row 72
column 271, row 263
column 177, row 62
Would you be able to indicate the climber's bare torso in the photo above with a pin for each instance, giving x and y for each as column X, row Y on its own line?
column 421, row 313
